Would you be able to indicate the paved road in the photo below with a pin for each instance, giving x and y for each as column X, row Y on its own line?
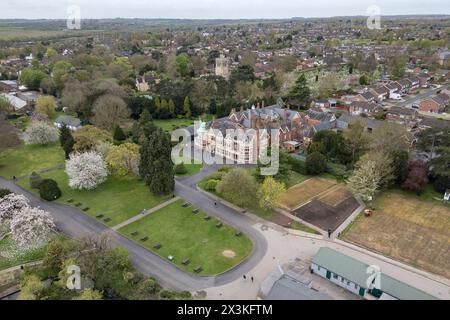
column 419, row 97
column 74, row 223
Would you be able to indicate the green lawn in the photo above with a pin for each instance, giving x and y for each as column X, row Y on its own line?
column 117, row 198
column 192, row 169
column 186, row 235
column 171, row 124
column 301, row 227
column 295, row 178
column 428, row 194
column 22, row 258
column 28, row 158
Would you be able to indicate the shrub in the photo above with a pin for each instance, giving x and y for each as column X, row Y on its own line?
column 316, row 163
column 211, row 185
column 4, row 192
column 297, row 165
column 49, row 190
column 215, row 176
column 180, row 169
column 35, row 180
column 119, row 134
column 39, row 132
column 225, row 169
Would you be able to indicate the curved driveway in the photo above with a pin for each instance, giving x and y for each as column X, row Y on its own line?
column 74, row 223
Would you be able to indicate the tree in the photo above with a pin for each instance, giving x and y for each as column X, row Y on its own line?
column 5, row 105
column 171, row 108
column 156, row 167
column 75, row 99
column 180, row 168
column 89, row 294
column 187, row 108
column 283, row 168
column 389, row 137
column 49, row 190
column 66, row 140
column 89, row 138
column 238, row 186
column 46, row 105
column 4, row 192
column 32, row 78
column 300, row 92
column 32, row 288
column 269, row 192
column 365, row 180
column 119, row 134
column 9, row 135
column 400, row 166
column 35, row 180
column 39, row 132
column 10, row 205
column 316, row 163
column 31, row 227
column 124, row 159
column 110, row 111
column 357, row 138
column 417, row 177
column 86, row 170
column 383, row 164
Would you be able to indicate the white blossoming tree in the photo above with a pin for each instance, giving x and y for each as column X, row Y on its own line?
column 365, row 180
column 86, row 170
column 31, row 227
column 39, row 132
column 10, row 205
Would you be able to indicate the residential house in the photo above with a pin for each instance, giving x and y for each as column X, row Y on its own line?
column 368, row 108
column 352, row 275
column 433, row 104
column 444, row 58
column 406, row 116
column 314, row 117
column 71, row 122
column 381, row 93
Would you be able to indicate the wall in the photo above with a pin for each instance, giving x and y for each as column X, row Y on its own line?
column 323, row 273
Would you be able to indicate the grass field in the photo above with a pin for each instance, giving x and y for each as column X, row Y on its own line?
column 305, row 191
column 118, row 198
column 7, row 261
column 171, row 124
column 28, row 158
column 407, row 229
column 192, row 169
column 335, row 195
column 185, row 235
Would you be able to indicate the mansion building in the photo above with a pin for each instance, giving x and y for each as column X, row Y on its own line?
column 243, row 134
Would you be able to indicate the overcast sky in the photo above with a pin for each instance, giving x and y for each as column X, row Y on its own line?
column 214, row 9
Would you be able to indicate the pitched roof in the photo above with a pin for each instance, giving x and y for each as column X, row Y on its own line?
column 356, row 271
column 68, row 121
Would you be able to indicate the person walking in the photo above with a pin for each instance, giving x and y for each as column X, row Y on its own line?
column 245, row 277
column 251, row 278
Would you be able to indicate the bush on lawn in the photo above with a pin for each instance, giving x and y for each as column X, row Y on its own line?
column 4, row 192
column 297, row 165
column 211, row 185
column 173, row 295
column 225, row 169
column 119, row 134
column 35, row 180
column 316, row 163
column 49, row 190
column 180, row 169
column 215, row 176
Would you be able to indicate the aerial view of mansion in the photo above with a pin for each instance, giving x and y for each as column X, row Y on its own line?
column 243, row 134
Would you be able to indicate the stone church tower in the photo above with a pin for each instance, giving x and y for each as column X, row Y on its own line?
column 223, row 67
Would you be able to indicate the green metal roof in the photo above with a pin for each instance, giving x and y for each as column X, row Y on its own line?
column 355, row 271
